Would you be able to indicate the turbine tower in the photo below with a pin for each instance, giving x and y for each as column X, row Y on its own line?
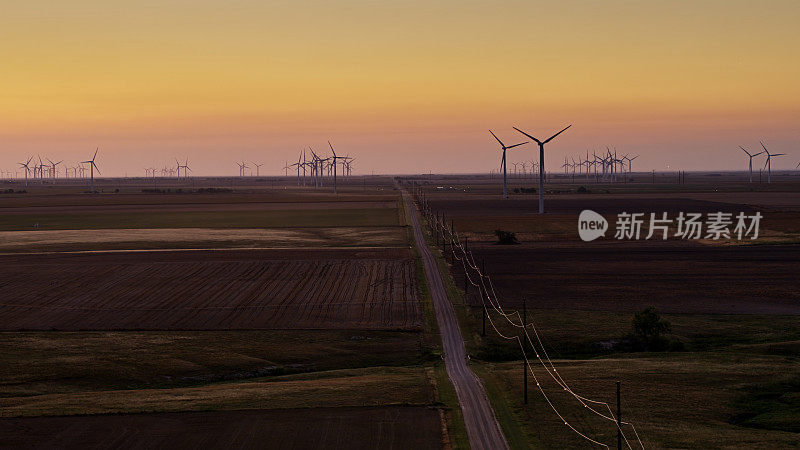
column 630, row 164
column 503, row 162
column 753, row 155
column 92, row 166
column 768, row 164
column 335, row 158
column 27, row 169
column 541, row 163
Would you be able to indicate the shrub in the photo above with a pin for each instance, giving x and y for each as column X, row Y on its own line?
column 506, row 237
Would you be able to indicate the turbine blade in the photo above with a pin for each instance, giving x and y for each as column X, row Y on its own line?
column 498, row 139
column 553, row 136
column 743, row 149
column 529, row 136
column 516, row 145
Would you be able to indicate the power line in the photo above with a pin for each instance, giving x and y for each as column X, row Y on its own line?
column 437, row 224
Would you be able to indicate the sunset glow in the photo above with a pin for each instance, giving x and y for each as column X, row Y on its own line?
column 678, row 82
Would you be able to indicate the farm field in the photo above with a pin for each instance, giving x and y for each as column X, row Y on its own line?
column 210, row 290
column 296, row 310
column 254, row 209
column 353, row 428
column 479, row 215
column 253, row 218
column 728, row 377
column 693, row 279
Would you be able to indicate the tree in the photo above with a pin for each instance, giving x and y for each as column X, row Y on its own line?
column 648, row 328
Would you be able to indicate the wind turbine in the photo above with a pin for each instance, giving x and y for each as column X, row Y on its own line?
column 186, row 168
column 299, row 165
column 503, row 162
column 40, row 168
column 53, row 165
column 347, row 164
column 768, row 164
column 308, row 167
column 242, row 165
column 258, row 168
column 541, row 163
column 319, row 168
column 92, row 166
column 630, row 164
column 334, row 164
column 27, row 169
column 751, row 160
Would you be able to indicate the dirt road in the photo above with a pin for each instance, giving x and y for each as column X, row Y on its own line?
column 482, row 428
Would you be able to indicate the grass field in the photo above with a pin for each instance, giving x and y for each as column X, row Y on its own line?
column 199, row 238
column 675, row 401
column 372, row 386
column 37, row 363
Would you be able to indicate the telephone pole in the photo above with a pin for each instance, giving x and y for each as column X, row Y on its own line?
column 619, row 420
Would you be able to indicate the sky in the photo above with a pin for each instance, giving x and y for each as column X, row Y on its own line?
column 403, row 86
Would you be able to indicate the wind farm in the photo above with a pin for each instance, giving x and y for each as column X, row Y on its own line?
column 286, row 226
column 307, row 220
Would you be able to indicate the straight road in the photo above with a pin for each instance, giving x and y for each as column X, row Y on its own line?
column 482, row 428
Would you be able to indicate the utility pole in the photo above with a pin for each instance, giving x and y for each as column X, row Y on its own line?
column 483, row 330
column 484, row 296
column 524, row 313
column 436, row 229
column 443, row 228
column 619, row 420
column 524, row 345
column 452, row 242
column 525, row 381
column 466, row 269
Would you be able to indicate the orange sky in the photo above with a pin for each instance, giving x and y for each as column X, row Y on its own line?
column 405, row 86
